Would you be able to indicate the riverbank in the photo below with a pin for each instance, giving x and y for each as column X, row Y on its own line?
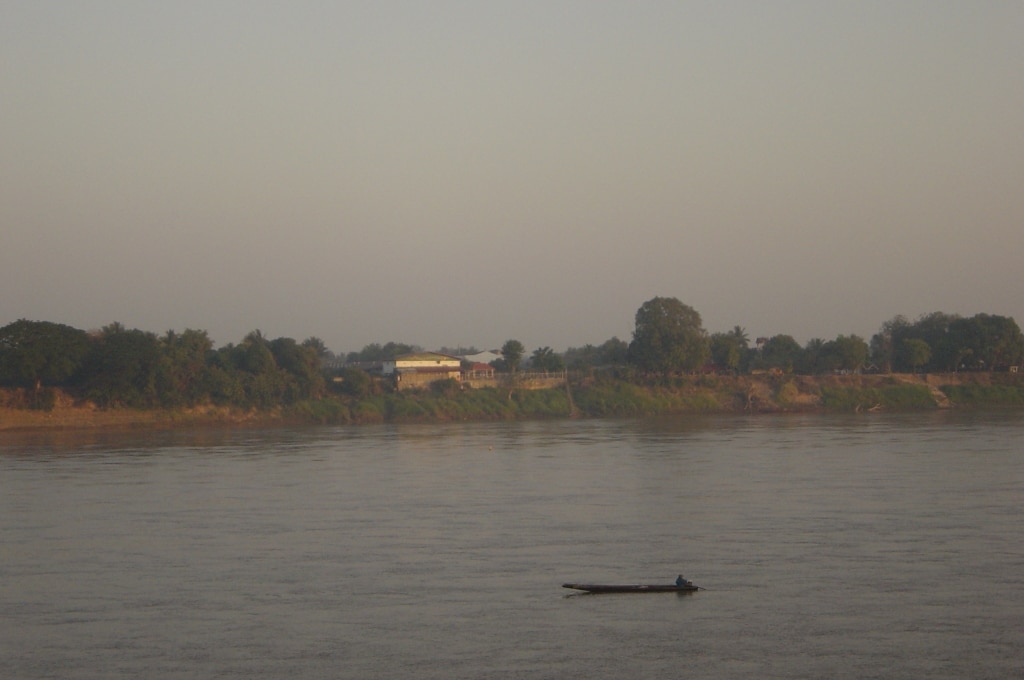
column 586, row 397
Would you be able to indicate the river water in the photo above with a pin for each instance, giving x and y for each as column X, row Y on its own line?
column 868, row 546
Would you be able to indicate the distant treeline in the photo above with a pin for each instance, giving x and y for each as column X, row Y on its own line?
column 669, row 338
column 935, row 343
column 122, row 367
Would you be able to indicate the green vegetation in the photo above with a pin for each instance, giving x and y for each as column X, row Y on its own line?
column 728, row 350
column 985, row 395
column 672, row 365
column 867, row 398
column 669, row 337
column 512, row 354
column 37, row 354
column 545, row 359
column 938, row 343
column 119, row 367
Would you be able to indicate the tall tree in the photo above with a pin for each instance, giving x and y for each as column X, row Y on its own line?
column 886, row 343
column 782, row 352
column 726, row 351
column 354, row 382
column 987, row 341
column 815, row 357
column 582, row 357
column 253, row 355
column 182, row 378
column 545, row 359
column 38, row 353
column 613, row 352
column 850, row 352
column 947, row 352
column 668, row 337
column 915, row 353
column 122, row 368
column 512, row 353
column 375, row 352
column 739, row 334
column 252, row 366
column 318, row 346
column 302, row 364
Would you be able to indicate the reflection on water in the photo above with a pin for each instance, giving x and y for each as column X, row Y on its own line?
column 866, row 545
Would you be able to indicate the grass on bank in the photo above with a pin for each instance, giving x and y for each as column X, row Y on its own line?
column 887, row 397
column 600, row 396
column 985, row 395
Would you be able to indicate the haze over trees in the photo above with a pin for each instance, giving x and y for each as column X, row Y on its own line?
column 122, row 367
column 730, row 350
column 669, row 337
column 547, row 360
column 377, row 352
column 939, row 342
column 512, row 354
column 612, row 352
column 38, row 353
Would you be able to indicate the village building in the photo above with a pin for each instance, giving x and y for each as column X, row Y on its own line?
column 418, row 361
column 422, row 368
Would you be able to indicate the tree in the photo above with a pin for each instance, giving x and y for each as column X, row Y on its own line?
column 512, row 353
column 545, row 359
column 260, row 382
column 739, row 334
column 668, row 337
column 224, row 379
column 986, row 341
column 122, row 368
column 886, row 342
column 613, row 352
column 369, row 353
column 849, row 351
column 182, row 374
column 318, row 346
column 781, row 352
column 915, row 353
column 355, row 382
column 947, row 351
column 726, row 351
column 375, row 352
column 582, row 357
column 1005, row 346
column 38, row 353
column 302, row 364
column 815, row 357
column 397, row 349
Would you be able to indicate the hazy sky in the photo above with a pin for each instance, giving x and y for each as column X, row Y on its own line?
column 462, row 173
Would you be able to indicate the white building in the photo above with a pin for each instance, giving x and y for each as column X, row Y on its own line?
column 422, row 361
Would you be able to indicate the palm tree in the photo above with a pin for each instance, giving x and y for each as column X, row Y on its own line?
column 740, row 335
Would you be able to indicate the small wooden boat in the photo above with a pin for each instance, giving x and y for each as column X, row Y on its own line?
column 687, row 587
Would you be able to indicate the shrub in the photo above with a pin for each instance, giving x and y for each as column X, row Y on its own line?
column 369, row 411
column 984, row 395
column 896, row 396
column 787, row 393
column 321, row 411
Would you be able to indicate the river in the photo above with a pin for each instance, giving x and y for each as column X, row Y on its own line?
column 861, row 546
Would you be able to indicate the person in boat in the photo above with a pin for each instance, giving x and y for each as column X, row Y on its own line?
column 680, row 581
